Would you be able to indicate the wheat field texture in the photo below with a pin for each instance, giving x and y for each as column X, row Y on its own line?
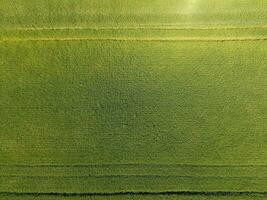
column 133, row 99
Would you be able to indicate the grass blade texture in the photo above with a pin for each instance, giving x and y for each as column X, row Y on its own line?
column 131, row 99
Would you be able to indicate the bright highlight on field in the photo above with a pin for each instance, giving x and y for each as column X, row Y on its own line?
column 190, row 7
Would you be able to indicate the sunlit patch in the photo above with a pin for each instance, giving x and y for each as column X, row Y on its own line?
column 191, row 6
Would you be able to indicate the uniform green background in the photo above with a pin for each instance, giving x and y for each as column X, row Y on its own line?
column 133, row 96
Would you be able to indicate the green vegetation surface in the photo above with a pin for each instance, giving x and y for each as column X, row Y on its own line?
column 130, row 197
column 129, row 99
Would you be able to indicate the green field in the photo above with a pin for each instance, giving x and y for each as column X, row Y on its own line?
column 131, row 99
column 132, row 197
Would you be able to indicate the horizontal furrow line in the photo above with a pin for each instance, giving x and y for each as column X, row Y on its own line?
column 134, row 176
column 135, row 28
column 171, row 39
column 167, row 193
column 131, row 164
